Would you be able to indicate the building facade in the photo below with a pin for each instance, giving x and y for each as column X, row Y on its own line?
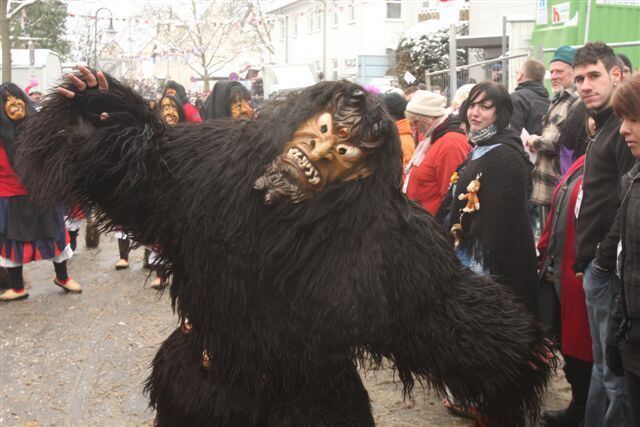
column 353, row 39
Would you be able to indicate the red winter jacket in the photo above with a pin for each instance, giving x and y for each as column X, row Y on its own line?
column 429, row 182
column 10, row 184
column 191, row 113
column 576, row 337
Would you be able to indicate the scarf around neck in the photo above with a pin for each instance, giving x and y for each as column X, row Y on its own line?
column 478, row 137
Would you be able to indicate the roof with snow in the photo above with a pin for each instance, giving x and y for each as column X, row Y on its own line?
column 428, row 27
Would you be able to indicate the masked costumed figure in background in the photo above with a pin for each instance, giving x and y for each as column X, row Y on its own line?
column 171, row 111
column 228, row 99
column 27, row 233
column 294, row 256
column 176, row 89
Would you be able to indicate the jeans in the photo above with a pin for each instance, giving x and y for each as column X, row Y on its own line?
column 608, row 402
column 468, row 261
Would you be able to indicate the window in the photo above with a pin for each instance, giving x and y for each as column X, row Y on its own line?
column 318, row 18
column 334, row 14
column 336, row 65
column 282, row 25
column 310, row 21
column 394, row 9
column 351, row 12
column 294, row 26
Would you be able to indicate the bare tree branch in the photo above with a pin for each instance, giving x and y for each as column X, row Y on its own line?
column 20, row 5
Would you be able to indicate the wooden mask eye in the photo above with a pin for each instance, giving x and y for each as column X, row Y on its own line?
column 349, row 152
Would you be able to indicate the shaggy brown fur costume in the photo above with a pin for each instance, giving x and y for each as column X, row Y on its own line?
column 279, row 302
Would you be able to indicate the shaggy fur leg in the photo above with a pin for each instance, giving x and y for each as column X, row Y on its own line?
column 342, row 401
column 183, row 393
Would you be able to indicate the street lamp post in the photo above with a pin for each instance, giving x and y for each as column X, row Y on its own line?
column 110, row 30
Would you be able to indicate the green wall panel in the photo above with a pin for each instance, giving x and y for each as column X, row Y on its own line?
column 609, row 23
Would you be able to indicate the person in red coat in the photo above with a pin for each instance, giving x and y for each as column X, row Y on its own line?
column 444, row 147
column 557, row 249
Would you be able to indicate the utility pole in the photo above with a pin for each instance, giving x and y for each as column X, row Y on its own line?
column 6, row 43
column 324, row 38
column 453, row 62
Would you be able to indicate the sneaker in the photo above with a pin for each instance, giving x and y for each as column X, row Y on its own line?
column 70, row 285
column 121, row 264
column 13, row 295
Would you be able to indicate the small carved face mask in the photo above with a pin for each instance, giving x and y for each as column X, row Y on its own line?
column 15, row 108
column 319, row 154
column 241, row 109
column 169, row 112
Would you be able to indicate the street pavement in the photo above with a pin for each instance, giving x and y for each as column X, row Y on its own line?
column 81, row 360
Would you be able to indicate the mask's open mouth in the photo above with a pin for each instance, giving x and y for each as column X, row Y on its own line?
column 309, row 172
column 283, row 179
column 15, row 109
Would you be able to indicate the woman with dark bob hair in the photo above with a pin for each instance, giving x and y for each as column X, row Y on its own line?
column 488, row 212
column 623, row 340
column 486, row 208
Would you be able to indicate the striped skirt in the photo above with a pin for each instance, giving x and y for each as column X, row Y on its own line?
column 17, row 251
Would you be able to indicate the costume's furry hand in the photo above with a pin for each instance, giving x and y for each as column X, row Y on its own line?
column 90, row 95
column 101, row 99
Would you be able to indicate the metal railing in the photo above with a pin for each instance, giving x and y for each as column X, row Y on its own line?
column 495, row 69
column 500, row 69
column 492, row 70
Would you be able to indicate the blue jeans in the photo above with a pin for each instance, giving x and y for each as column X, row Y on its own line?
column 608, row 402
column 468, row 261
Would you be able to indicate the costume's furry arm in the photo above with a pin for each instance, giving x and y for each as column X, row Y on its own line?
column 65, row 152
column 131, row 168
column 450, row 327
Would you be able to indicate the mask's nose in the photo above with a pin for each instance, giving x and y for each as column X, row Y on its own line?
column 246, row 109
column 322, row 149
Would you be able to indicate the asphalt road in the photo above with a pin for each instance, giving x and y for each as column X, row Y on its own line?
column 81, row 360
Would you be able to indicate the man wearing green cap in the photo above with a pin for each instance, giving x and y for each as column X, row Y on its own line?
column 547, row 167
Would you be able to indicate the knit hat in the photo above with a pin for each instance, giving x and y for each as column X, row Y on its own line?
column 565, row 54
column 461, row 95
column 427, row 103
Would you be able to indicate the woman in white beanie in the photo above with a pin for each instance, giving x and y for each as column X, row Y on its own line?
column 443, row 147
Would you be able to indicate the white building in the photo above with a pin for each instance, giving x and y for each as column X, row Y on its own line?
column 41, row 66
column 354, row 39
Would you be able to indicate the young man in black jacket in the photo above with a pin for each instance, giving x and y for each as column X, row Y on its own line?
column 597, row 73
